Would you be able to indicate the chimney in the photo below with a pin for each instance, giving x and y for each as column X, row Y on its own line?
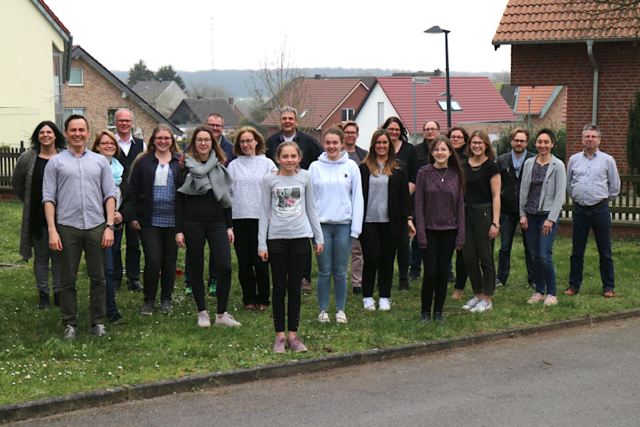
column 200, row 97
column 437, row 72
column 318, row 76
column 230, row 101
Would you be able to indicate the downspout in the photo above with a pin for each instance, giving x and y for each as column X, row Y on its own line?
column 594, row 112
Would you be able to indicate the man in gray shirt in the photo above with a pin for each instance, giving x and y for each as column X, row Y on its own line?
column 78, row 188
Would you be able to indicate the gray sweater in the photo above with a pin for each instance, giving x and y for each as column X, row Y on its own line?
column 288, row 209
column 247, row 173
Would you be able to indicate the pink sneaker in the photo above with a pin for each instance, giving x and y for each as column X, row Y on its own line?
column 278, row 347
column 550, row 300
column 535, row 298
column 296, row 345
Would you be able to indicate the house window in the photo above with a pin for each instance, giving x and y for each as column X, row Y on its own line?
column 70, row 111
column 380, row 114
column 76, row 77
column 347, row 114
column 111, row 115
column 57, row 86
column 454, row 105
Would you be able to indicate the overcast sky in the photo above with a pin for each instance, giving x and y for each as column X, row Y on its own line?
column 319, row 33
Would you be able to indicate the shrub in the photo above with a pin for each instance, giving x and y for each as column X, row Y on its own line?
column 559, row 150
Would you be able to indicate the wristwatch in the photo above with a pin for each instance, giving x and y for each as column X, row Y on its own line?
column 111, row 227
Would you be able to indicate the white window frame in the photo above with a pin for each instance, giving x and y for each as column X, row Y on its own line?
column 454, row 105
column 70, row 111
column 81, row 77
column 347, row 114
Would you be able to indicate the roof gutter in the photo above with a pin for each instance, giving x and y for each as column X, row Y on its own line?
column 596, row 70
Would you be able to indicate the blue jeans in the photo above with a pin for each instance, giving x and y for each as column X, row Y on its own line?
column 544, row 271
column 509, row 224
column 112, row 308
column 600, row 220
column 333, row 261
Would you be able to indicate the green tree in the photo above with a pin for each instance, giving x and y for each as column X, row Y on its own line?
column 167, row 73
column 633, row 135
column 139, row 72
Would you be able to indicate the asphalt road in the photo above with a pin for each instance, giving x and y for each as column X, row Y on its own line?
column 585, row 376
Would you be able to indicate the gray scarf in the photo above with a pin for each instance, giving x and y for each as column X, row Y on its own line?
column 203, row 177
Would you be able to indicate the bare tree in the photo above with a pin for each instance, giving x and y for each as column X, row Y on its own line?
column 607, row 18
column 278, row 82
column 204, row 90
column 502, row 76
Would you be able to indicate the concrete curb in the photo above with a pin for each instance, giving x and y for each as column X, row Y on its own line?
column 71, row 402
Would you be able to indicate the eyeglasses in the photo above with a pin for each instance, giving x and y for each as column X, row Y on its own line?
column 519, row 141
column 390, row 130
column 431, row 129
column 477, row 142
column 124, row 121
column 215, row 126
column 456, row 137
column 590, row 137
column 351, row 133
column 201, row 140
column 160, row 138
column 108, row 144
column 247, row 142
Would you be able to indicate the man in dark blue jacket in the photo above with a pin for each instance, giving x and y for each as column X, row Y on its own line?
column 216, row 124
column 510, row 165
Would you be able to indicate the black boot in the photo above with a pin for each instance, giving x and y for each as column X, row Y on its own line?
column 56, row 298
column 134, row 285
column 44, row 301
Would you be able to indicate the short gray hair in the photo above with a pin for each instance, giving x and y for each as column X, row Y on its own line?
column 289, row 109
column 591, row 126
column 121, row 110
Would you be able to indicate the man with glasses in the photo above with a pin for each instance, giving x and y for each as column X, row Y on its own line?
column 311, row 150
column 216, row 124
column 431, row 129
column 592, row 182
column 510, row 165
column 130, row 148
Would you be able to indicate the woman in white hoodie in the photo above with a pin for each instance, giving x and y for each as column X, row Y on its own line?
column 338, row 189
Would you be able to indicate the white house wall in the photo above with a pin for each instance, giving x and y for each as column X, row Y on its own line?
column 368, row 116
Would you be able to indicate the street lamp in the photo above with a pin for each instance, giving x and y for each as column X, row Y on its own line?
column 529, row 115
column 438, row 30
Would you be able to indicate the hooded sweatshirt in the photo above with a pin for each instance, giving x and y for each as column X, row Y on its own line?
column 338, row 190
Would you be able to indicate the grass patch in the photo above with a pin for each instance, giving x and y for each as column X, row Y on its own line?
column 36, row 363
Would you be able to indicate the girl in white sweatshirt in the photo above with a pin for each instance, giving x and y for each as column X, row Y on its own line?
column 338, row 189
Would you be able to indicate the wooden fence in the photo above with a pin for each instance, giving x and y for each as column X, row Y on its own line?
column 626, row 207
column 8, row 158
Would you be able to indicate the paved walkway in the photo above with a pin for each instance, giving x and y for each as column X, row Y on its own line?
column 586, row 376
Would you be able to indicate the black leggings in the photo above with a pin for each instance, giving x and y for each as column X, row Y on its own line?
column 287, row 258
column 160, row 254
column 195, row 234
column 379, row 251
column 404, row 254
column 437, row 257
column 252, row 271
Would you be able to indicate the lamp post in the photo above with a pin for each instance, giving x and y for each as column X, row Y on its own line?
column 529, row 115
column 437, row 30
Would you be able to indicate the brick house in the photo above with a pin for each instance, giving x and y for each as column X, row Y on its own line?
column 96, row 93
column 545, row 106
column 322, row 103
column 163, row 96
column 559, row 43
column 192, row 113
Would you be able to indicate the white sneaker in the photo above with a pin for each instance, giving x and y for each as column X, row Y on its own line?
column 203, row 319
column 481, row 307
column 341, row 317
column 323, row 317
column 471, row 303
column 369, row 303
column 227, row 320
column 550, row 300
column 385, row 304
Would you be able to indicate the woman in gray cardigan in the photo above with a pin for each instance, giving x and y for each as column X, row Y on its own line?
column 541, row 196
column 46, row 142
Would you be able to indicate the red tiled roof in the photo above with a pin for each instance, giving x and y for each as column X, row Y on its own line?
column 478, row 97
column 526, row 21
column 320, row 97
column 539, row 97
column 53, row 15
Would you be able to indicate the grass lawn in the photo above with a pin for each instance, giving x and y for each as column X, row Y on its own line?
column 36, row 363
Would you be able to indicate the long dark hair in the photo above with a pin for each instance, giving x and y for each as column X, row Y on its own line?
column 60, row 142
column 192, row 150
column 372, row 158
column 403, row 130
column 452, row 163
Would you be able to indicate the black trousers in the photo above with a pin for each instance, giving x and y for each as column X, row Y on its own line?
column 253, row 273
column 287, row 258
column 379, row 251
column 160, row 254
column 478, row 248
column 306, row 273
column 195, row 235
column 437, row 257
column 461, row 271
column 132, row 256
column 404, row 254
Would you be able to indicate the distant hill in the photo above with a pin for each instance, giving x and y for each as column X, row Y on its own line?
column 234, row 80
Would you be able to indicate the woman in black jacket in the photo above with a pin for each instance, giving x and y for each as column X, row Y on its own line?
column 152, row 188
column 387, row 208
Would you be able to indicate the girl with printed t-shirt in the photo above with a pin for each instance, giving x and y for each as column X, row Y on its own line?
column 287, row 217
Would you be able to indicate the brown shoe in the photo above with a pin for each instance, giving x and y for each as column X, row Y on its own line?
column 457, row 294
column 263, row 307
column 571, row 292
column 305, row 287
column 250, row 307
column 609, row 294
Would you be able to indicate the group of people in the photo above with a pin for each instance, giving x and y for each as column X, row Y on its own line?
column 280, row 200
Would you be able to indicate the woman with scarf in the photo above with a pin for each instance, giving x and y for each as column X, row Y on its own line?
column 203, row 212
column 106, row 144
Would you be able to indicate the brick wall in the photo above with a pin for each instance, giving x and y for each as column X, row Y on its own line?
column 97, row 95
column 553, row 116
column 569, row 65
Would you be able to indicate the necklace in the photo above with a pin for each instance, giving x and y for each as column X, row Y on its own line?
column 442, row 176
